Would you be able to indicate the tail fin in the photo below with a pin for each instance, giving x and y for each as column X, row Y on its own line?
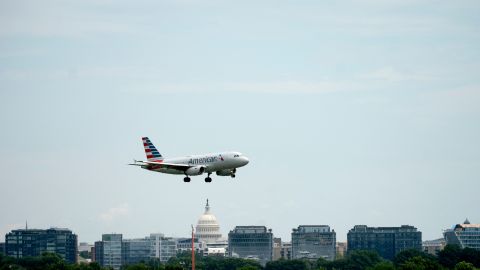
column 150, row 150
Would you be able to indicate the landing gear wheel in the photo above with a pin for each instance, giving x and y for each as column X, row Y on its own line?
column 233, row 175
column 208, row 180
column 186, row 179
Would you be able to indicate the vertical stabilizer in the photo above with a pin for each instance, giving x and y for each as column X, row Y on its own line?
column 150, row 150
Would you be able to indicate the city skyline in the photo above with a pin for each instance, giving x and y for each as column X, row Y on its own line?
column 351, row 112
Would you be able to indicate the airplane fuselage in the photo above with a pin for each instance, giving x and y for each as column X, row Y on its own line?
column 211, row 162
column 223, row 164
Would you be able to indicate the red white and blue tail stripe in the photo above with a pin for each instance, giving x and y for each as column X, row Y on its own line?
column 150, row 150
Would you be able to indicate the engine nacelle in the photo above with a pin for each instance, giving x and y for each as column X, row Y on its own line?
column 197, row 170
column 226, row 172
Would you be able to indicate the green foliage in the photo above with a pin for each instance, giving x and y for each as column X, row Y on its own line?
column 362, row 259
column 464, row 266
column 385, row 265
column 451, row 255
column 249, row 267
column 420, row 263
column 414, row 258
column 48, row 261
column 287, row 265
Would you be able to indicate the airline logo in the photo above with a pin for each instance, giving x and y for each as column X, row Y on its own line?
column 150, row 150
column 204, row 160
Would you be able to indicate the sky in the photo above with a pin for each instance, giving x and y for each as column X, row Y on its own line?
column 351, row 112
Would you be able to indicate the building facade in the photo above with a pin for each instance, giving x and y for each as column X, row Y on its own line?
column 341, row 249
column 112, row 251
column 313, row 242
column 136, row 250
column 251, row 242
column 2, row 248
column 286, row 251
column 277, row 248
column 387, row 241
column 464, row 235
column 97, row 252
column 34, row 242
column 208, row 229
column 433, row 246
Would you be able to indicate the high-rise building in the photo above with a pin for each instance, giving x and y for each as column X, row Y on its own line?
column 208, row 229
column 313, row 242
column 387, row 241
column 97, row 252
column 251, row 242
column 112, row 251
column 464, row 235
column 34, row 242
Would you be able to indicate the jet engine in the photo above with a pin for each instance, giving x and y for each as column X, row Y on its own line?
column 226, row 172
column 197, row 170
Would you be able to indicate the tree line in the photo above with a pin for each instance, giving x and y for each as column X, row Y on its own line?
column 451, row 257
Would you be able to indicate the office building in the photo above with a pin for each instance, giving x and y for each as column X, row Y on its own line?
column 251, row 242
column 34, row 242
column 112, row 251
column 313, row 242
column 162, row 247
column 2, row 248
column 136, row 250
column 464, row 235
column 387, row 241
column 185, row 244
column 97, row 252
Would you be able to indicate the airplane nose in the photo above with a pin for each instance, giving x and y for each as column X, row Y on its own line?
column 245, row 160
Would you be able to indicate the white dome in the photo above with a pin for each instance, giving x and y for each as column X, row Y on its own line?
column 207, row 229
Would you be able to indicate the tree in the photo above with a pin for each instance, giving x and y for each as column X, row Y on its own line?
column 385, row 265
column 287, row 265
column 451, row 255
column 419, row 263
column 362, row 259
column 406, row 255
column 464, row 266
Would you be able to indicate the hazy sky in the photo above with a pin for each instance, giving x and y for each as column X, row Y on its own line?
column 351, row 112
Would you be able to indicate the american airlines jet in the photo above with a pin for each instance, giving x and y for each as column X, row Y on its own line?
column 223, row 164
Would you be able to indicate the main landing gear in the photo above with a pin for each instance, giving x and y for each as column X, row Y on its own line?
column 186, row 179
column 232, row 175
column 208, row 179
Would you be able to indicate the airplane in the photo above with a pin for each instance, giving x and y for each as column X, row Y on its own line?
column 223, row 164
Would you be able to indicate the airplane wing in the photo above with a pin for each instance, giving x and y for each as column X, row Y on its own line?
column 180, row 167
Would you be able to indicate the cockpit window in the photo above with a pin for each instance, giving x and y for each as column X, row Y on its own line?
column 236, row 155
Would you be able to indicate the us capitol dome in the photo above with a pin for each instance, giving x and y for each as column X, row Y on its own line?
column 207, row 229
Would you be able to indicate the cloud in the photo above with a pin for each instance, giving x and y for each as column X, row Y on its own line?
column 113, row 213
